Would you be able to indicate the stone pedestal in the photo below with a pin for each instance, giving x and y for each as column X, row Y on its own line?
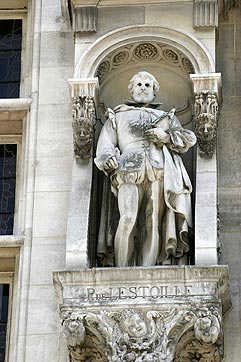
column 143, row 314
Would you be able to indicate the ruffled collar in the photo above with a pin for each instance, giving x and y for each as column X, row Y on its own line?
column 143, row 105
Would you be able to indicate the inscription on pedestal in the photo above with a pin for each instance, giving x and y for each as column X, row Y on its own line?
column 135, row 292
column 111, row 294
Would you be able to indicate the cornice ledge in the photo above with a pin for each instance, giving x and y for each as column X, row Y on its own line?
column 205, row 282
column 14, row 109
column 84, row 87
column 16, row 104
column 11, row 241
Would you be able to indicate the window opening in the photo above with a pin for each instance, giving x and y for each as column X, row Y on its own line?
column 8, row 154
column 10, row 57
column 4, row 300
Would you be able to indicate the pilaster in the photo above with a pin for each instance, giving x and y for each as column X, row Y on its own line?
column 84, row 97
column 207, row 91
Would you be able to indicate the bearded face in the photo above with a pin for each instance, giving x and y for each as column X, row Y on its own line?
column 143, row 89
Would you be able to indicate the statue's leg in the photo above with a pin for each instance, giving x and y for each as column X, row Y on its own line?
column 128, row 203
column 154, row 214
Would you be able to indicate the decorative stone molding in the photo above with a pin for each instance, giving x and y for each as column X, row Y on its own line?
column 83, row 93
column 198, row 54
column 85, row 19
column 83, row 126
column 81, row 17
column 143, row 52
column 14, row 109
column 140, row 335
column 207, row 90
column 143, row 314
column 205, row 14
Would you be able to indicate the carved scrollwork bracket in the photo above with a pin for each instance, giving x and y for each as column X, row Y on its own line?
column 83, row 92
column 143, row 335
column 83, row 126
column 206, row 116
column 207, row 91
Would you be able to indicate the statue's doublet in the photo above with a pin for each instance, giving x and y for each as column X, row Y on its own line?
column 135, row 149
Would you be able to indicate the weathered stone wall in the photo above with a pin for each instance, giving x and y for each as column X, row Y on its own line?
column 52, row 184
column 229, row 161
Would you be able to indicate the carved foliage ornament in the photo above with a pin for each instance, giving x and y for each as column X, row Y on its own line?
column 146, row 51
column 206, row 116
column 83, row 124
column 151, row 336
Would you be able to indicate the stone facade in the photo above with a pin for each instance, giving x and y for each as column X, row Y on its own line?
column 228, row 62
column 77, row 59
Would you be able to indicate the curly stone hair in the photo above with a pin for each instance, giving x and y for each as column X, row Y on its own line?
column 144, row 74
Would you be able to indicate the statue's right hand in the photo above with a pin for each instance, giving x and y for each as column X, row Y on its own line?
column 111, row 163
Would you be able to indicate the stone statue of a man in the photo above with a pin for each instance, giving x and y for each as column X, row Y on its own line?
column 139, row 148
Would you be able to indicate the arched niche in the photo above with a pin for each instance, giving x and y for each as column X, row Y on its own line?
column 114, row 58
column 169, row 65
column 193, row 49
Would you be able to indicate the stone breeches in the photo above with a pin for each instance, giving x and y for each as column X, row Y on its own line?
column 136, row 177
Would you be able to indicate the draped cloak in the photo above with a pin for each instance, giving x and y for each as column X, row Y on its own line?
column 122, row 137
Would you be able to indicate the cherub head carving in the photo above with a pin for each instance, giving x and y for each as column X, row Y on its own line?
column 134, row 325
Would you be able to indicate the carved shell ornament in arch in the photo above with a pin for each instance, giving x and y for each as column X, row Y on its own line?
column 151, row 52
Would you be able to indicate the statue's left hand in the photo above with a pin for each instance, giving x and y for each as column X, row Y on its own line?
column 157, row 135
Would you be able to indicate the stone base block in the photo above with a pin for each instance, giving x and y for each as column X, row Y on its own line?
column 143, row 314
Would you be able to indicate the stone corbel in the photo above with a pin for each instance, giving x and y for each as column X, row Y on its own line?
column 207, row 91
column 83, row 94
column 143, row 335
column 143, row 314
